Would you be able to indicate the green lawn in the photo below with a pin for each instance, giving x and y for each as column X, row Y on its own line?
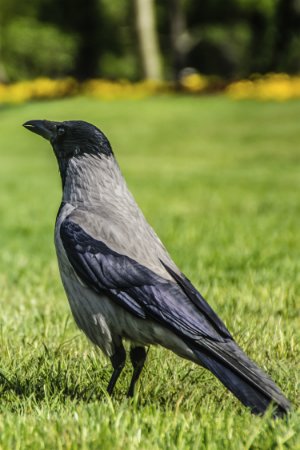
column 220, row 182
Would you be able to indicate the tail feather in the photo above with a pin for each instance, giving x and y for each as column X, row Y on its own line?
column 242, row 376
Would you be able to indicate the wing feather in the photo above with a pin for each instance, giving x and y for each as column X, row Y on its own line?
column 137, row 288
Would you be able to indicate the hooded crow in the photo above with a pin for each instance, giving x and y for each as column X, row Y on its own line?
column 121, row 282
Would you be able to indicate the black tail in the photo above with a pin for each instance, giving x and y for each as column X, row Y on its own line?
column 241, row 376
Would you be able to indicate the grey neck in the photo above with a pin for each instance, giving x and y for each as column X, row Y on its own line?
column 91, row 179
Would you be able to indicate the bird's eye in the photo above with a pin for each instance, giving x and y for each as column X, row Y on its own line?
column 60, row 131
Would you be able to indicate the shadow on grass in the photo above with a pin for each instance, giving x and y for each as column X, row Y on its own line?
column 47, row 381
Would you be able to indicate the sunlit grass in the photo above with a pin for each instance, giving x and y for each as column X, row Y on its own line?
column 220, row 183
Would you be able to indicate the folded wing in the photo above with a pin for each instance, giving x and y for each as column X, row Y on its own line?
column 175, row 304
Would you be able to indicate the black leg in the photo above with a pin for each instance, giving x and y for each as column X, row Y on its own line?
column 138, row 357
column 118, row 362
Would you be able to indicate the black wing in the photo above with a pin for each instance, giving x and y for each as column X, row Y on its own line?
column 177, row 305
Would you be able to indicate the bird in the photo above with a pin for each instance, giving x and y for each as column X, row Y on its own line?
column 122, row 284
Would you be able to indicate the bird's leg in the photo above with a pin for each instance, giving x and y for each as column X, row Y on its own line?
column 138, row 357
column 118, row 362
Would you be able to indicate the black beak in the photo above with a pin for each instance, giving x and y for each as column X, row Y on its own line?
column 44, row 128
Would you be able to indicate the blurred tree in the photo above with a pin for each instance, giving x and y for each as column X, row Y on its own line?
column 147, row 39
column 219, row 37
column 287, row 25
column 92, row 38
column 33, row 49
column 260, row 47
column 84, row 19
column 179, row 37
column 120, row 57
column 3, row 75
column 9, row 10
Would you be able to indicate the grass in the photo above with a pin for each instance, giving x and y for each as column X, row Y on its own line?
column 219, row 181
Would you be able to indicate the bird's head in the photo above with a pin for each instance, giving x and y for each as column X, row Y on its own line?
column 71, row 139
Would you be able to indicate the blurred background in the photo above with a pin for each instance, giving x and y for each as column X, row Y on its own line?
column 200, row 100
column 147, row 39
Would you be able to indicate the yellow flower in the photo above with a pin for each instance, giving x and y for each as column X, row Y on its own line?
column 109, row 90
column 39, row 88
column 194, row 82
column 278, row 87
